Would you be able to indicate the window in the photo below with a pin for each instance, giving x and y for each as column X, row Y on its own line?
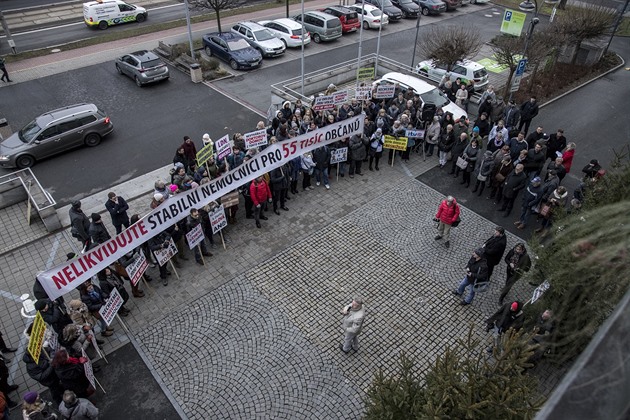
column 68, row 126
column 318, row 22
column 459, row 69
column 49, row 132
column 88, row 119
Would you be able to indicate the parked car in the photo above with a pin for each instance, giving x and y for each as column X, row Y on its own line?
column 428, row 93
column 322, row 26
column 371, row 16
column 452, row 4
column 392, row 12
column 431, row 7
column 348, row 18
column 143, row 67
column 466, row 70
column 233, row 49
column 55, row 132
column 288, row 31
column 478, row 1
column 408, row 7
column 260, row 38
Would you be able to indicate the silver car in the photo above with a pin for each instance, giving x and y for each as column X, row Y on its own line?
column 260, row 38
column 143, row 67
column 55, row 132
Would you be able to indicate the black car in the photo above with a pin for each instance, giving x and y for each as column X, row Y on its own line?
column 407, row 7
column 431, row 7
column 392, row 12
column 233, row 49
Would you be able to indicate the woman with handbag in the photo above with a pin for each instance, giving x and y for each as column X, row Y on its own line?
column 432, row 136
column 456, row 152
column 499, row 174
column 471, row 155
column 483, row 170
column 551, row 204
column 445, row 145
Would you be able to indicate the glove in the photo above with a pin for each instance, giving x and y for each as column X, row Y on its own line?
column 270, row 200
column 257, row 206
column 435, row 219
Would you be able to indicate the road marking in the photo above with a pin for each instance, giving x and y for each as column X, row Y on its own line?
column 407, row 171
column 53, row 252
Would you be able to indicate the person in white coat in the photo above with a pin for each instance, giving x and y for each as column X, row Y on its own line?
column 354, row 314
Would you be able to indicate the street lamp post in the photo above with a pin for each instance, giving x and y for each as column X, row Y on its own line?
column 527, row 5
column 361, row 41
column 190, row 41
column 302, row 61
column 378, row 41
column 413, row 57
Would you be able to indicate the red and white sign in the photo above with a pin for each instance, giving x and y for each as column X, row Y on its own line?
column 137, row 268
column 163, row 255
column 340, row 97
column 385, row 91
column 65, row 277
column 111, row 307
column 363, row 93
column 195, row 236
column 324, row 102
column 255, row 138
column 218, row 219
column 87, row 368
column 222, row 146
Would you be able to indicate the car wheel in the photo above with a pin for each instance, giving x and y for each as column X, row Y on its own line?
column 102, row 25
column 138, row 82
column 25, row 161
column 118, row 69
column 209, row 51
column 425, row 11
column 261, row 52
column 423, row 73
column 140, row 18
column 366, row 25
column 285, row 43
column 92, row 140
column 316, row 38
column 234, row 65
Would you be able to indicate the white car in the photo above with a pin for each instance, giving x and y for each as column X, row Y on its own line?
column 288, row 31
column 369, row 15
column 466, row 70
column 429, row 94
column 259, row 37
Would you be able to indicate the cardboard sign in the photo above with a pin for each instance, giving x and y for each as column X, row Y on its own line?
column 204, row 154
column 338, row 155
column 365, row 73
column 163, row 255
column 111, row 307
column 36, row 339
column 217, row 219
column 414, row 134
column 255, row 138
column 195, row 236
column 137, row 268
column 324, row 102
column 340, row 97
column 87, row 368
column 392, row 142
column 385, row 91
column 363, row 93
column 230, row 199
column 223, row 147
column 53, row 341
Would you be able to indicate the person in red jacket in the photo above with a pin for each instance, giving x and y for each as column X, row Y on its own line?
column 567, row 156
column 447, row 213
column 259, row 192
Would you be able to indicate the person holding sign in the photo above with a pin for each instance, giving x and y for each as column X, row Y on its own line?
column 109, row 280
column 192, row 222
column 259, row 192
column 159, row 242
column 376, row 147
column 94, row 298
column 71, row 373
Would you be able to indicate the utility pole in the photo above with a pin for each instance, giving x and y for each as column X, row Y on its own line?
column 413, row 57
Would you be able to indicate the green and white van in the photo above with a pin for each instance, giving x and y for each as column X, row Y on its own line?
column 105, row 13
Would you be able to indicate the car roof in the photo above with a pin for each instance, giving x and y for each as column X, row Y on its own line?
column 60, row 113
column 289, row 23
column 419, row 86
column 226, row 36
column 251, row 25
column 472, row 64
column 368, row 7
column 144, row 55
column 320, row 14
column 341, row 9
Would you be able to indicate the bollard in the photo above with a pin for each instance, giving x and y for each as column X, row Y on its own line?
column 195, row 73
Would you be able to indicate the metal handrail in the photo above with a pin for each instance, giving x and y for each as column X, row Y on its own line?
column 13, row 177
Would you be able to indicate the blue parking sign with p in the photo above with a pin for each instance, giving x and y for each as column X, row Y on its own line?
column 508, row 15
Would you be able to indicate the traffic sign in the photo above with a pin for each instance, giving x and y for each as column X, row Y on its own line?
column 513, row 22
column 518, row 74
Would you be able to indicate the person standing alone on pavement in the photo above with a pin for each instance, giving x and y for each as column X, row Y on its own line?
column 494, row 248
column 354, row 314
column 79, row 224
column 447, row 214
column 5, row 74
column 117, row 208
column 476, row 275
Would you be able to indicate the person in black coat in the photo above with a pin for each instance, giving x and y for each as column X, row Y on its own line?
column 71, row 373
column 94, row 299
column 160, row 242
column 456, row 151
column 515, row 181
column 279, row 180
column 518, row 263
column 508, row 316
column 557, row 142
column 117, row 208
column 494, row 248
column 79, row 224
column 529, row 110
column 52, row 315
column 97, row 230
column 476, row 274
column 109, row 280
column 44, row 373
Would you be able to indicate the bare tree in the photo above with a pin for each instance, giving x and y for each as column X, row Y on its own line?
column 541, row 46
column 507, row 49
column 215, row 5
column 447, row 45
column 579, row 24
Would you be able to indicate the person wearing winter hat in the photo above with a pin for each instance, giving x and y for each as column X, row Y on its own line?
column 476, row 276
column 73, row 407
column 158, row 198
column 206, row 140
column 190, row 150
column 508, row 316
column 79, row 224
column 33, row 408
column 97, row 230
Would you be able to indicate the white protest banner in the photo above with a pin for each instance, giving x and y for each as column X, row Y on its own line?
column 414, row 134
column 87, row 368
column 338, row 155
column 53, row 341
column 111, row 307
column 255, row 138
column 324, row 102
column 363, row 93
column 195, row 236
column 163, row 255
column 385, row 91
column 538, row 292
column 66, row 277
column 218, row 219
column 340, row 97
column 223, row 146
column 137, row 268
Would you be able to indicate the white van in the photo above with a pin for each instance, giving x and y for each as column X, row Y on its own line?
column 104, row 13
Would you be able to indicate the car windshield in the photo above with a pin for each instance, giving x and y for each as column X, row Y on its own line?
column 405, row 1
column 480, row 73
column 386, row 3
column 151, row 63
column 28, row 133
column 434, row 96
column 263, row 35
column 237, row 44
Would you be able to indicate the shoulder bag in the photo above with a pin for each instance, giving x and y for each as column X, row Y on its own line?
column 461, row 163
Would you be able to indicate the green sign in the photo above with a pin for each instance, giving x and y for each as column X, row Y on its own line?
column 365, row 73
column 204, row 154
column 513, row 22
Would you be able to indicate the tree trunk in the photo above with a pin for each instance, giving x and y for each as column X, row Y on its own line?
column 287, row 2
column 532, row 78
column 218, row 13
column 508, row 84
column 562, row 4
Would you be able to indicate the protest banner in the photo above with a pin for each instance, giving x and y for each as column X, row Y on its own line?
column 340, row 97
column 415, row 134
column 539, row 291
column 255, row 138
column 204, row 154
column 363, row 93
column 365, row 73
column 230, row 199
column 384, row 91
column 136, row 269
column 164, row 255
column 217, row 219
column 223, row 147
column 87, row 368
column 338, row 155
column 36, row 339
column 396, row 143
column 53, row 341
column 324, row 102
column 65, row 277
column 195, row 236
column 111, row 307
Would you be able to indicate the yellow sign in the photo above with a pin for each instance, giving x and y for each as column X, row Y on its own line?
column 365, row 73
column 36, row 339
column 204, row 154
column 513, row 21
column 396, row 143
